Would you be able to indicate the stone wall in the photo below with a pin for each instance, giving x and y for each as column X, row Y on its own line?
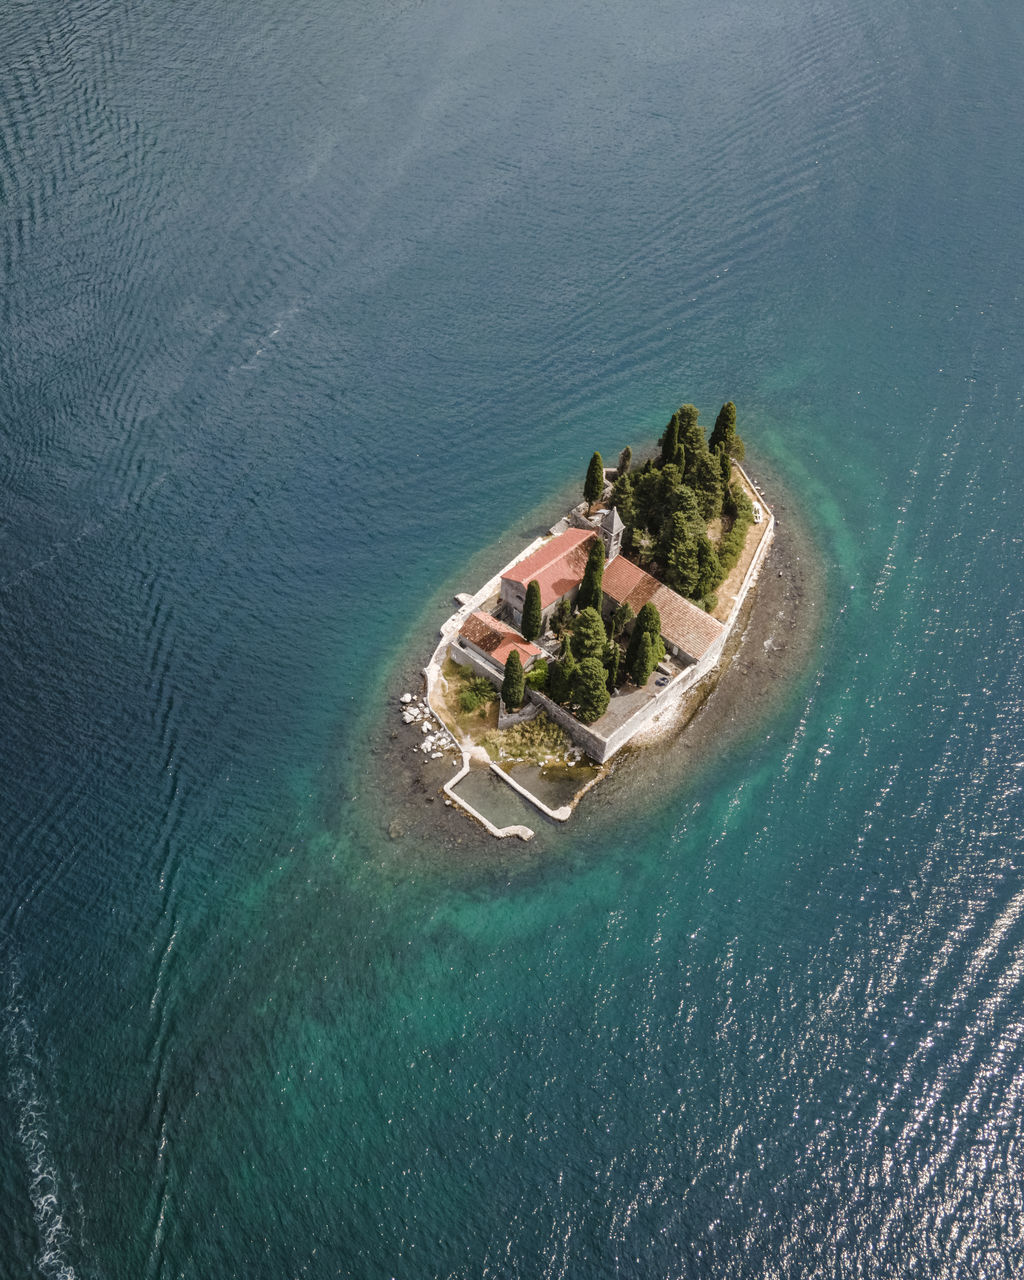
column 595, row 744
column 592, row 743
column 467, row 658
column 602, row 747
column 506, row 719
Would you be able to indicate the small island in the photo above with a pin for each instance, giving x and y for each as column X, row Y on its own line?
column 592, row 634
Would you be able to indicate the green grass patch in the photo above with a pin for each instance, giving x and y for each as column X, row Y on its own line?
column 537, row 741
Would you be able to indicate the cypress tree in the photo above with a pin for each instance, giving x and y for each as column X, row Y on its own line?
column 589, row 596
column 691, row 437
column 724, row 464
column 670, row 440
column 648, row 623
column 647, row 501
column 680, row 530
column 613, row 656
column 623, row 500
column 725, row 432
column 709, row 572
column 670, row 477
column 682, row 501
column 725, row 427
column 593, row 486
column 625, row 458
column 588, row 637
column 649, row 620
column 729, row 507
column 532, row 612
column 682, row 566
column 590, row 690
column 514, row 684
column 643, row 662
column 621, row 619
column 561, row 675
column 562, row 615
column 707, row 483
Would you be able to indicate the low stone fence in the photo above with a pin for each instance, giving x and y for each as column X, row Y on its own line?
column 561, row 814
column 506, row 719
column 503, row 833
column 754, row 568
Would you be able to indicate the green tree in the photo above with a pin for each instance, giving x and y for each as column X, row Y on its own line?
column 590, row 690
column 709, row 570
column 532, row 612
column 649, row 620
column 561, row 617
column 537, row 676
column 669, row 478
column 707, row 484
column 647, row 494
column 648, row 623
column 670, row 439
column 682, row 565
column 514, row 684
column 612, row 658
column 725, row 427
column 643, row 662
column 679, row 498
column 677, row 548
column 731, row 544
column 623, row 501
column 588, row 637
column 691, row 435
column 593, row 486
column 621, row 619
column 625, row 458
column 561, row 675
column 724, row 432
column 724, row 464
column 589, row 595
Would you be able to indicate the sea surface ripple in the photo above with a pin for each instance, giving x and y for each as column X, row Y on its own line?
column 308, row 316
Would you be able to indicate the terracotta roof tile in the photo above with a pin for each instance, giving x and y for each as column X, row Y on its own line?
column 558, row 565
column 626, row 583
column 683, row 624
column 497, row 638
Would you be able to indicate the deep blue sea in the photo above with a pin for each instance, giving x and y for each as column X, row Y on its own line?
column 307, row 311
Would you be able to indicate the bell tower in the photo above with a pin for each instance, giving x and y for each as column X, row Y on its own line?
column 611, row 533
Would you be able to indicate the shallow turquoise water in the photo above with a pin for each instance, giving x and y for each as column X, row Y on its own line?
column 306, row 314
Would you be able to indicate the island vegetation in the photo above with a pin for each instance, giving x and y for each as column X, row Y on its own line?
column 685, row 522
column 595, row 632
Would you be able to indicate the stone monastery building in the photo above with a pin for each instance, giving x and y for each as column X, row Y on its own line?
column 558, row 567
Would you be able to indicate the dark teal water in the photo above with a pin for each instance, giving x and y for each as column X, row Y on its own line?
column 302, row 308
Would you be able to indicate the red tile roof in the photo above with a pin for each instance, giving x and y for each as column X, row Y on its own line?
column 626, row 582
column 558, row 565
column 683, row 624
column 498, row 639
